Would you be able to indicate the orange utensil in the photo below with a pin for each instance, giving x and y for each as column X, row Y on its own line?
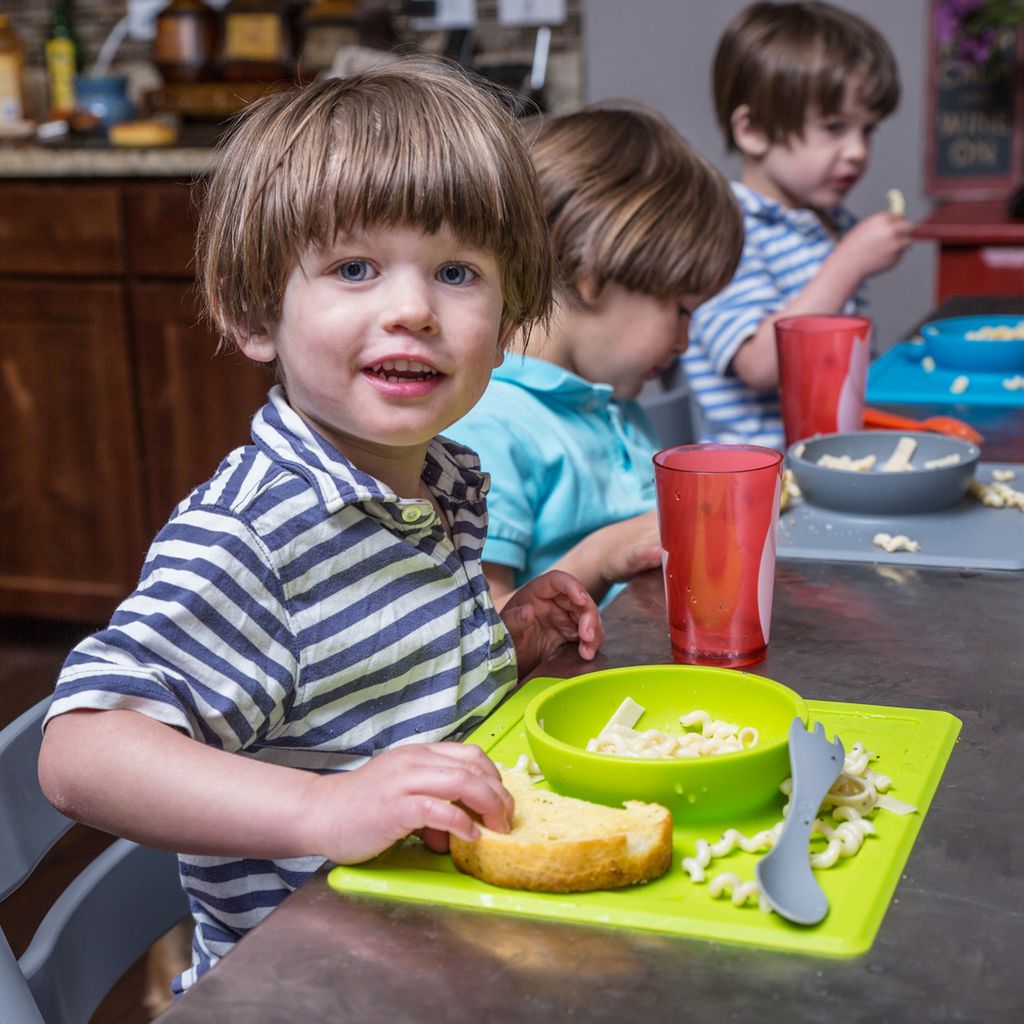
column 939, row 424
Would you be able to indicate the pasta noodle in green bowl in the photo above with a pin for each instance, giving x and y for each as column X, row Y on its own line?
column 723, row 763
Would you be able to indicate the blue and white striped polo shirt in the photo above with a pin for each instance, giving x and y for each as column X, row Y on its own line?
column 782, row 251
column 297, row 611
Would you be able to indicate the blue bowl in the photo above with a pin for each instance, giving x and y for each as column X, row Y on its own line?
column 948, row 343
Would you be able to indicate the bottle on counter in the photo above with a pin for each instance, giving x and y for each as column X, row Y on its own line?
column 63, row 59
column 184, row 49
column 258, row 42
column 12, row 74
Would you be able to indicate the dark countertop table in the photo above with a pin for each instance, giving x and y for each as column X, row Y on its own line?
column 948, row 950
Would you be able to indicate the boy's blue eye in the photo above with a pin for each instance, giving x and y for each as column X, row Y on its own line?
column 354, row 270
column 455, row 273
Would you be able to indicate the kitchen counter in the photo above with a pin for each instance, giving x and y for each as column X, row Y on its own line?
column 94, row 157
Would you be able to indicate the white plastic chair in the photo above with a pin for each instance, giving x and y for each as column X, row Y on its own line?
column 100, row 925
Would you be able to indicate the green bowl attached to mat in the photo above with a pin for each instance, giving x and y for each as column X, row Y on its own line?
column 560, row 720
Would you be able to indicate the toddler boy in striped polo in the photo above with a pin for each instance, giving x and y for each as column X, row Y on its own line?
column 312, row 626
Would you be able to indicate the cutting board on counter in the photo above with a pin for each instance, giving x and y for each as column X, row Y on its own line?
column 898, row 377
column 912, row 745
column 969, row 535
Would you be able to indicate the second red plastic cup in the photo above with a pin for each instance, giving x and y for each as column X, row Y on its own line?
column 823, row 370
column 718, row 513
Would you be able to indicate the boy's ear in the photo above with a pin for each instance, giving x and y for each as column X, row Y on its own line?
column 505, row 341
column 255, row 342
column 750, row 140
column 587, row 289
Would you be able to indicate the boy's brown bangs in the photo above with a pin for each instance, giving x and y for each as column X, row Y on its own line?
column 420, row 181
column 693, row 248
column 785, row 59
column 877, row 81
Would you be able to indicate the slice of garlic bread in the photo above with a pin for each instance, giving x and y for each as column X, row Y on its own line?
column 561, row 844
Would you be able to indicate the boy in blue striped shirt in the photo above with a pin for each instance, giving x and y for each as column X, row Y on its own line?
column 799, row 90
column 313, row 624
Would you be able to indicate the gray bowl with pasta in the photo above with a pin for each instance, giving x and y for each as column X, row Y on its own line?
column 883, row 472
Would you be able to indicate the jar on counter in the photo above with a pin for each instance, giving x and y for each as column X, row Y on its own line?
column 105, row 97
column 258, row 41
column 185, row 45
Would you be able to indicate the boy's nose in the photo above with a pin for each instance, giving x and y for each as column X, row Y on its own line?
column 409, row 308
column 856, row 147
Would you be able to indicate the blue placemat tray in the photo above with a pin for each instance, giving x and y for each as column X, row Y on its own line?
column 898, row 377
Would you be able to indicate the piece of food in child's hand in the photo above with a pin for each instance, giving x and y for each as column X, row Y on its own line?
column 897, row 202
column 562, row 844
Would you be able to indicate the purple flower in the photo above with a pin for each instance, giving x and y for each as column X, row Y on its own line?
column 970, row 29
column 977, row 49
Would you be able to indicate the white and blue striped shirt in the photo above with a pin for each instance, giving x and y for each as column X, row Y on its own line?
column 297, row 611
column 782, row 251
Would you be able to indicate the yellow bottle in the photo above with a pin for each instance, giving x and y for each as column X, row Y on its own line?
column 12, row 73
column 63, row 59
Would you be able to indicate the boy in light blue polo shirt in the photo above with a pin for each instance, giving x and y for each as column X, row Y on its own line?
column 643, row 229
column 799, row 90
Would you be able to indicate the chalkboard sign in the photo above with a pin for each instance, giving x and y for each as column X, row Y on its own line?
column 975, row 139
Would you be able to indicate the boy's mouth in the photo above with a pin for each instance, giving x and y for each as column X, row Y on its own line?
column 397, row 371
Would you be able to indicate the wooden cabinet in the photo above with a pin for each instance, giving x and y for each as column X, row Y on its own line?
column 194, row 403
column 116, row 400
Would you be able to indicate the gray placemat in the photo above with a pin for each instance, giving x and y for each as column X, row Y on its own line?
column 968, row 535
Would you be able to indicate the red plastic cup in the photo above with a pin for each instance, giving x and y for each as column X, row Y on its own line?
column 718, row 513
column 823, row 372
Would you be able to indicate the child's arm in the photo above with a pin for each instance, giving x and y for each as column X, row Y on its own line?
column 873, row 245
column 130, row 775
column 609, row 555
column 614, row 553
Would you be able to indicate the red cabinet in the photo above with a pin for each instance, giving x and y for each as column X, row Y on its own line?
column 981, row 250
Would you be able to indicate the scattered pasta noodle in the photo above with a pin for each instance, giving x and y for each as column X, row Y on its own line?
column 620, row 738
column 790, row 489
column 855, row 795
column 890, row 543
column 526, row 765
column 928, row 364
column 960, row 385
column 740, row 892
column 998, row 494
column 1014, row 383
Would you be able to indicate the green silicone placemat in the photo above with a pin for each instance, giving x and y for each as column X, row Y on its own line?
column 913, row 746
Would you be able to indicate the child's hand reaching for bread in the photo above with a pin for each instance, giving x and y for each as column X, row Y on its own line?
column 431, row 789
column 550, row 610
